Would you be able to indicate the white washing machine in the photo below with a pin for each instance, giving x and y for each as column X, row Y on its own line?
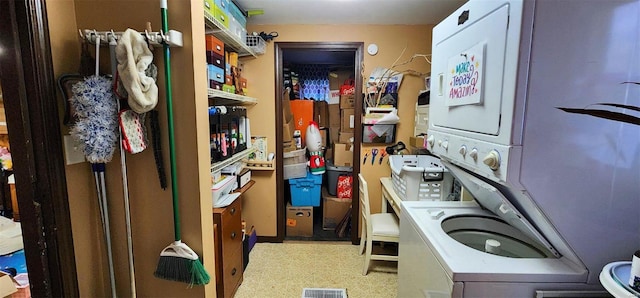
column 564, row 185
column 481, row 248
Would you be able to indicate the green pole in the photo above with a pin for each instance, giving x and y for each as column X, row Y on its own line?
column 172, row 146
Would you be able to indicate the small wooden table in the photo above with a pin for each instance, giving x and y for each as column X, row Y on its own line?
column 390, row 196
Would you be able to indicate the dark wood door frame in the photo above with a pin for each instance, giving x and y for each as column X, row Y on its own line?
column 31, row 109
column 358, row 49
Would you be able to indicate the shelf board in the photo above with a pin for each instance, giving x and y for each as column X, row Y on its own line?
column 259, row 165
column 216, row 28
column 236, row 157
column 226, row 98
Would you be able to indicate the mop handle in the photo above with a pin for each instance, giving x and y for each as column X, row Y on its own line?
column 172, row 149
column 125, row 183
column 97, row 55
column 107, row 231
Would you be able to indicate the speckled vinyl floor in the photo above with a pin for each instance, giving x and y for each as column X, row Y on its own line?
column 285, row 269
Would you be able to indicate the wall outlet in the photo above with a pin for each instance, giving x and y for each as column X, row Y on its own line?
column 72, row 150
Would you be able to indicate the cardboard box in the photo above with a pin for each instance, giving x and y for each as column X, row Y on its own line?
column 417, row 142
column 342, row 155
column 334, row 115
column 7, row 285
column 286, row 107
column 324, row 135
column 334, row 135
column 345, row 137
column 287, row 131
column 337, row 78
column 333, row 210
column 346, row 120
column 321, row 113
column 299, row 221
column 347, row 101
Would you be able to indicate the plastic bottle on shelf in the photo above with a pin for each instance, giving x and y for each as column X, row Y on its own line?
column 298, row 139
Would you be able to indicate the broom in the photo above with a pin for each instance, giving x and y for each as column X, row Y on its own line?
column 177, row 262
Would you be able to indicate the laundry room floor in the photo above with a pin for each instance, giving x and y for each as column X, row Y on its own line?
column 285, row 269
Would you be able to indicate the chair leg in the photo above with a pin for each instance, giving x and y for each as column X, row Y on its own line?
column 363, row 237
column 367, row 257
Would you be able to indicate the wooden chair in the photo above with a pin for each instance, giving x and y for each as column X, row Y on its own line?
column 375, row 227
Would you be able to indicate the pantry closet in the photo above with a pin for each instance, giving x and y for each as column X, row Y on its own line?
column 309, row 206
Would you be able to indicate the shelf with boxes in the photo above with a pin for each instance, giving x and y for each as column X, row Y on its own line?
column 225, row 20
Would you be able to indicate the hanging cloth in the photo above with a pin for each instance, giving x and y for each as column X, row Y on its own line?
column 134, row 57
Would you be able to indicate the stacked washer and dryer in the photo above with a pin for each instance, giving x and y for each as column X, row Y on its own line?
column 557, row 194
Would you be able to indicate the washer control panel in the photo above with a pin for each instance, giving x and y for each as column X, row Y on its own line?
column 487, row 159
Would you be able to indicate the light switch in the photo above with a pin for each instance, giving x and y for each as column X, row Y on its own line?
column 72, row 150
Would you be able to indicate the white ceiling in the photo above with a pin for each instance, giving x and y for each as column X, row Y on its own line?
column 410, row 12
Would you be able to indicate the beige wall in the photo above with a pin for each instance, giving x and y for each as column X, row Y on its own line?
column 83, row 206
column 151, row 207
column 259, row 207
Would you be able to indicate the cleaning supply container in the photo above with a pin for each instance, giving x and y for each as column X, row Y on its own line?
column 306, row 191
column 333, row 172
column 420, row 178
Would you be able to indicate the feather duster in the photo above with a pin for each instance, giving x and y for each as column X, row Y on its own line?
column 96, row 108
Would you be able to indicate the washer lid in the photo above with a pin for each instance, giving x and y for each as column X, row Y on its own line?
column 492, row 199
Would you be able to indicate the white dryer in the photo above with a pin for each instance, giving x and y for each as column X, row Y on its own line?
column 502, row 70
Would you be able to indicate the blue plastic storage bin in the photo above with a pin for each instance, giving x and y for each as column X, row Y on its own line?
column 306, row 191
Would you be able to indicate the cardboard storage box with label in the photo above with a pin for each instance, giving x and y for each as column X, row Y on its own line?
column 299, row 221
column 347, row 120
column 333, row 210
column 347, row 101
column 342, row 155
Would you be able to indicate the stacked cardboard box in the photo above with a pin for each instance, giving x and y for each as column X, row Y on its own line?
column 343, row 133
column 288, row 124
column 334, row 209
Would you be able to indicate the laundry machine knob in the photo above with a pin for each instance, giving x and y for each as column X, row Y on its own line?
column 492, row 160
column 474, row 153
column 445, row 145
column 463, row 150
column 439, row 142
column 431, row 140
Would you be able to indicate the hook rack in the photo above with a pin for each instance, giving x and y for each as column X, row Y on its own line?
column 173, row 38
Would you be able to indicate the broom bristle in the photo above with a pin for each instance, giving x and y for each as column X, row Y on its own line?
column 182, row 270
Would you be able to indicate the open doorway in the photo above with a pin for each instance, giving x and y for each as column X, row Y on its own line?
column 12, row 256
column 320, row 62
column 28, row 93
